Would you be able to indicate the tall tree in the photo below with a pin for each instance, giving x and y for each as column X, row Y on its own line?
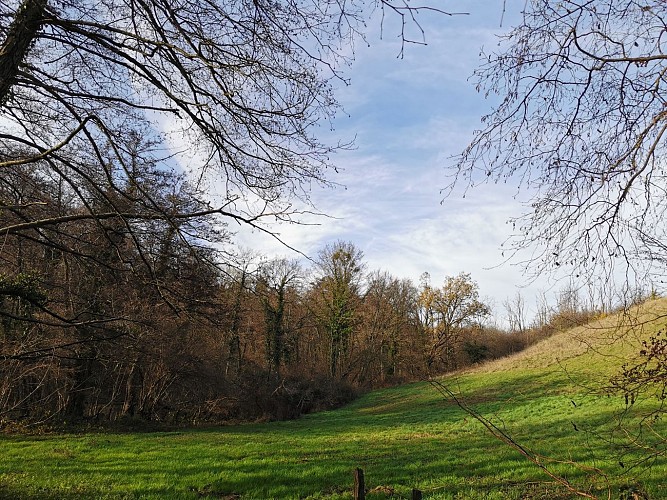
column 276, row 285
column 516, row 313
column 391, row 341
column 340, row 271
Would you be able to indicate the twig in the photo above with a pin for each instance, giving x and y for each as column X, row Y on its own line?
column 498, row 433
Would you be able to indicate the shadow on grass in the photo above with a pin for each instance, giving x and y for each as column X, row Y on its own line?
column 403, row 438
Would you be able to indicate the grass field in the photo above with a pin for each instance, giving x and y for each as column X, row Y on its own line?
column 547, row 398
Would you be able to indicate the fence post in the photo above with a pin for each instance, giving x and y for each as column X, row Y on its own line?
column 416, row 494
column 359, row 493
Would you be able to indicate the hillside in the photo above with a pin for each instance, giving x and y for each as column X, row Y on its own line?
column 548, row 398
column 609, row 341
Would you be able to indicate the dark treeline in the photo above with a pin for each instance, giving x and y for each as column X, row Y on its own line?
column 107, row 319
column 147, row 317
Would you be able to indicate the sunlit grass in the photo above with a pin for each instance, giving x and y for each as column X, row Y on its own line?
column 546, row 398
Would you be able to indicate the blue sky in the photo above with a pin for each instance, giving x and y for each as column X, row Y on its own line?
column 409, row 116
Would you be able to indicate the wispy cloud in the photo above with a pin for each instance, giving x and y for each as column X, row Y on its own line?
column 408, row 116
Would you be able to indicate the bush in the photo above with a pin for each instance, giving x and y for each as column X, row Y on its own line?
column 476, row 352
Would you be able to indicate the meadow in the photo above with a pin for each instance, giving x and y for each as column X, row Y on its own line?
column 550, row 399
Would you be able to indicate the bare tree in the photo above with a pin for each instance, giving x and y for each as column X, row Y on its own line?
column 98, row 100
column 276, row 287
column 337, row 296
column 236, row 85
column 581, row 126
column 516, row 313
column 390, row 342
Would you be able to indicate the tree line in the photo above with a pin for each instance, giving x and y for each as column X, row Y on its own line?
column 120, row 291
column 147, row 319
column 105, row 319
column 98, row 326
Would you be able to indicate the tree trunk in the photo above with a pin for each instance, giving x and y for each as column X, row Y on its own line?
column 21, row 35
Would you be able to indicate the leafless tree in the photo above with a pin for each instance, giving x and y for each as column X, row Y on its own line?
column 581, row 127
column 389, row 338
column 337, row 295
column 100, row 100
column 236, row 86
column 448, row 311
column 277, row 285
column 516, row 313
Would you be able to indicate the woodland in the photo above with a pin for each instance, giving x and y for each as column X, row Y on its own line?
column 123, row 297
column 265, row 340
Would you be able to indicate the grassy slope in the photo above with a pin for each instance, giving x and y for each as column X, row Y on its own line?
column 403, row 438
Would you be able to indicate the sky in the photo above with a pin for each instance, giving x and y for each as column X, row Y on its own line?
column 408, row 117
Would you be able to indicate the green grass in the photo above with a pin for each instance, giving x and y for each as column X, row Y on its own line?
column 403, row 438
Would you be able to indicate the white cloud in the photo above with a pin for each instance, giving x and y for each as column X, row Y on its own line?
column 408, row 116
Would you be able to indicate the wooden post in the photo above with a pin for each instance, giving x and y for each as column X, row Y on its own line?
column 359, row 492
column 416, row 494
